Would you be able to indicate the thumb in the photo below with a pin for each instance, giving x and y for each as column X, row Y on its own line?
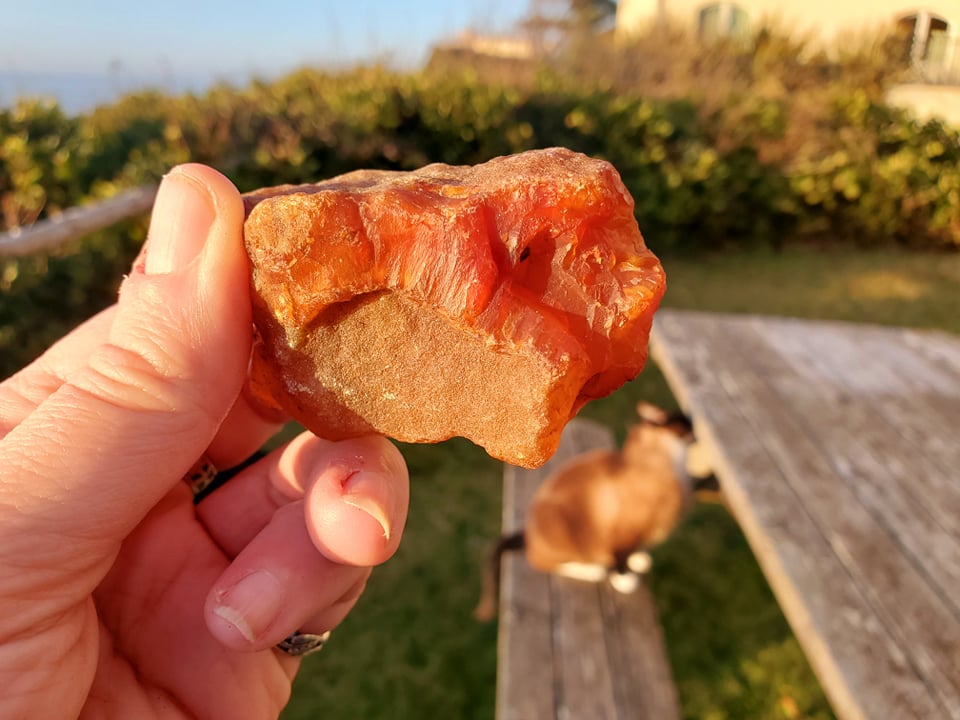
column 97, row 454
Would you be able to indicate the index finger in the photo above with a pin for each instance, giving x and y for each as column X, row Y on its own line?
column 243, row 431
column 23, row 392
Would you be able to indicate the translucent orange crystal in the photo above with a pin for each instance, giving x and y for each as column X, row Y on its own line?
column 490, row 301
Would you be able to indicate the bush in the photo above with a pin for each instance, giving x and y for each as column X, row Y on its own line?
column 790, row 146
column 886, row 178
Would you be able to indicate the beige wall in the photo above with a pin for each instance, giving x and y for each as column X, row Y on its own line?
column 828, row 17
column 928, row 101
column 634, row 15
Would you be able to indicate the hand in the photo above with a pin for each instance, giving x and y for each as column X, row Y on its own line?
column 118, row 598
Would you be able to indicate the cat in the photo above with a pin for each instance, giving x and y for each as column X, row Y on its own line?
column 595, row 517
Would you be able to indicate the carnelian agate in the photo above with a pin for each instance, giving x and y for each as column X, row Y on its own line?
column 489, row 302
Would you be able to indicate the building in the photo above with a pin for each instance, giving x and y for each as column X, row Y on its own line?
column 933, row 27
column 931, row 31
column 495, row 46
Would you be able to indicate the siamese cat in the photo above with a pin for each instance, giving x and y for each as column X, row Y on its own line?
column 595, row 517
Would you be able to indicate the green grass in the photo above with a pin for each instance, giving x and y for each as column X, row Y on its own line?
column 411, row 648
column 888, row 287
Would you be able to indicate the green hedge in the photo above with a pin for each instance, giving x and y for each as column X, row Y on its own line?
column 702, row 180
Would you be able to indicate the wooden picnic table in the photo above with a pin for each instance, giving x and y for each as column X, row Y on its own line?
column 837, row 447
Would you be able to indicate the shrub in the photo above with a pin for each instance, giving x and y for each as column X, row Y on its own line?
column 788, row 147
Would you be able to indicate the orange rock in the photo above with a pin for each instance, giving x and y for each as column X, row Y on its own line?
column 489, row 302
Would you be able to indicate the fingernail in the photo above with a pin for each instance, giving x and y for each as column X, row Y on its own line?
column 359, row 497
column 252, row 604
column 183, row 214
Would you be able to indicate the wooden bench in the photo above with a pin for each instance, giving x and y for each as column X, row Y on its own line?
column 837, row 447
column 574, row 650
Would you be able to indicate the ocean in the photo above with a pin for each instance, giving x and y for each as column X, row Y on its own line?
column 78, row 93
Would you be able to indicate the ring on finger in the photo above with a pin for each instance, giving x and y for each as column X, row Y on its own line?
column 302, row 644
column 203, row 478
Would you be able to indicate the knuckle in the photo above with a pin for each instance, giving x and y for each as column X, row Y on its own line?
column 132, row 379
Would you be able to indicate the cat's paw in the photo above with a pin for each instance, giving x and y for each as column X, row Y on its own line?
column 586, row 572
column 640, row 562
column 625, row 583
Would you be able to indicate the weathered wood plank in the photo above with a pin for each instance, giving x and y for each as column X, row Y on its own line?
column 569, row 649
column 635, row 646
column 525, row 688
column 904, row 564
column 772, row 475
column 526, row 683
column 76, row 222
column 938, row 348
column 903, row 399
column 918, row 421
column 585, row 676
column 915, row 499
column 585, row 679
column 873, row 361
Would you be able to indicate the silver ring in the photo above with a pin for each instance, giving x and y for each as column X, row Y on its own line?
column 302, row 644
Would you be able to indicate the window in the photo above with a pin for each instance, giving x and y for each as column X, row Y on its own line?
column 722, row 19
column 928, row 37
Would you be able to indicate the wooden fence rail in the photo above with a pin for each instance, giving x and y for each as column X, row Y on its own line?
column 76, row 222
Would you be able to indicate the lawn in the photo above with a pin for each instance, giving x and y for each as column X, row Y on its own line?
column 411, row 648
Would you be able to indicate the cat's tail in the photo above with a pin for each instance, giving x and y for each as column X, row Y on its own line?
column 707, row 483
column 707, row 489
column 490, row 594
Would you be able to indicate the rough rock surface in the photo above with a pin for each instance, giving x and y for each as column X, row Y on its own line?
column 489, row 302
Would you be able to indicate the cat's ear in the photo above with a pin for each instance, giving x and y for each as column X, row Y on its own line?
column 650, row 413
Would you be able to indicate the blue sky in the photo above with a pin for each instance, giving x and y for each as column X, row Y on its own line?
column 182, row 42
